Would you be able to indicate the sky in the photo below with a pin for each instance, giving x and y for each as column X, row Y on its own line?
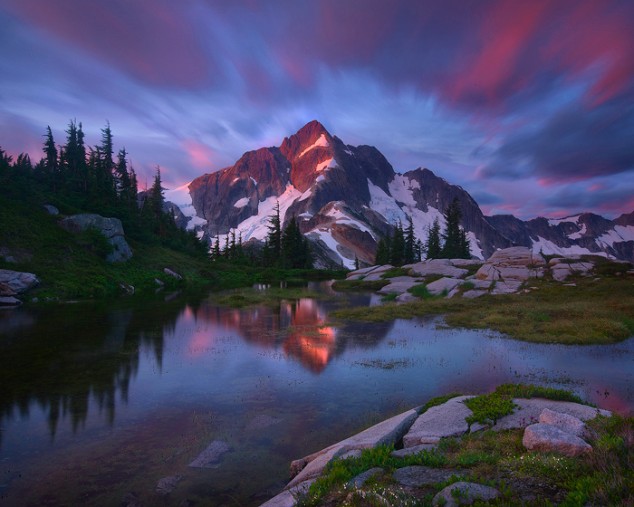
column 528, row 105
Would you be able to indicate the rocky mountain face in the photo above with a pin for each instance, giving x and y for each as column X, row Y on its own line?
column 346, row 197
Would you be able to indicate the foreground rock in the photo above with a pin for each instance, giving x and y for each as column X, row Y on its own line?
column 446, row 420
column 548, row 438
column 110, row 228
column 420, row 433
column 464, row 493
column 385, row 433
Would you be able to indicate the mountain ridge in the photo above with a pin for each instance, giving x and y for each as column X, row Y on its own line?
column 346, row 197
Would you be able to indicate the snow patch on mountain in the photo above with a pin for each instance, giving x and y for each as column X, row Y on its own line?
column 326, row 237
column 325, row 165
column 619, row 234
column 574, row 219
column 241, row 203
column 542, row 245
column 182, row 198
column 474, row 245
column 579, row 234
column 345, row 219
column 385, row 205
column 256, row 226
column 321, row 141
column 401, row 188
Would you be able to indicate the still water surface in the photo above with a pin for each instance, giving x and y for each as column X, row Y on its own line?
column 99, row 402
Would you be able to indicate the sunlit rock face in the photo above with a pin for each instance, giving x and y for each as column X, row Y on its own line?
column 346, row 197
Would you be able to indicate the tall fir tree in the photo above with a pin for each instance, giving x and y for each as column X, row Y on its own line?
column 398, row 246
column 433, row 241
column 274, row 236
column 455, row 245
column 409, row 255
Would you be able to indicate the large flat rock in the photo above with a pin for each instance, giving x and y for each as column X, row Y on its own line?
column 446, row 420
column 384, row 433
column 287, row 498
column 399, row 285
column 437, row 267
column 443, row 285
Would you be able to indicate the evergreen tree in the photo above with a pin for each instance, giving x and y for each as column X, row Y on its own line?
column 382, row 253
column 398, row 246
column 275, row 233
column 294, row 247
column 51, row 163
column 456, row 245
column 433, row 241
column 410, row 242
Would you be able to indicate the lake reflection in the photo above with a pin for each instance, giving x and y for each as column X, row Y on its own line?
column 99, row 403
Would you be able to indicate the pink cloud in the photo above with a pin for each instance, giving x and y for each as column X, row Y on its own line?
column 200, row 155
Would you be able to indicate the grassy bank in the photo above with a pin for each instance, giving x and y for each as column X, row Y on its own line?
column 593, row 311
column 73, row 266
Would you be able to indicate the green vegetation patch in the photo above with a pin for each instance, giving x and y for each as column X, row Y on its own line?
column 394, row 272
column 339, row 472
column 488, row 408
column 359, row 285
column 271, row 296
column 594, row 311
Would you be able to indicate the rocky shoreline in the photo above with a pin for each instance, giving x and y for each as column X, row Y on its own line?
column 548, row 425
column 507, row 271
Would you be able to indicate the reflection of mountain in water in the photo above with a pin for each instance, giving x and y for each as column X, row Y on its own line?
column 298, row 328
column 69, row 358
column 62, row 357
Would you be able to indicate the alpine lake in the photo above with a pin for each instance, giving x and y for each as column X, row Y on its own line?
column 100, row 401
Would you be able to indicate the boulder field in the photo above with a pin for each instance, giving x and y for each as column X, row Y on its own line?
column 507, row 271
column 549, row 426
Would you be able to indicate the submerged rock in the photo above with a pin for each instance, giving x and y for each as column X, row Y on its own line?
column 168, row 484
column 210, row 457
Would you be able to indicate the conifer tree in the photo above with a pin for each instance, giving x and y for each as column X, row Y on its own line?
column 51, row 163
column 410, row 242
column 275, row 233
column 398, row 246
column 456, row 245
column 433, row 241
column 382, row 253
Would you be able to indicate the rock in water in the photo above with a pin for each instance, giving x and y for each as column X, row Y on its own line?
column 167, row 484
column 210, row 457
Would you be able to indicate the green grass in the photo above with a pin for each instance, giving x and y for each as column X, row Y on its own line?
column 438, row 400
column 271, row 296
column 359, row 285
column 420, row 291
column 488, row 408
column 394, row 272
column 594, row 311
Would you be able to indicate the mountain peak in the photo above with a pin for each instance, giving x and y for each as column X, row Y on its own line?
column 307, row 136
